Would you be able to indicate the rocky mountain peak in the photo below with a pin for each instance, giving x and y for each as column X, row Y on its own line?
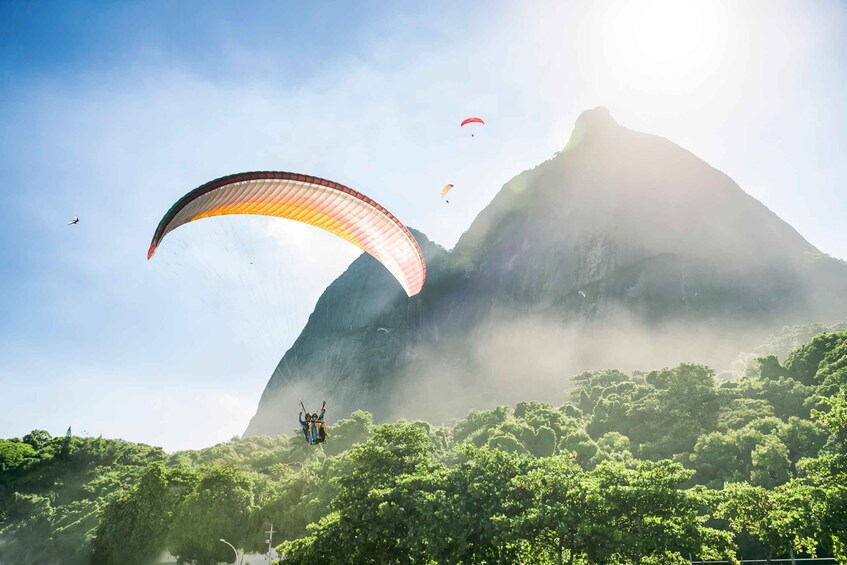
column 596, row 119
column 592, row 124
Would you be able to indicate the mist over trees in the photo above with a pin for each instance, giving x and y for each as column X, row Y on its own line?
column 641, row 467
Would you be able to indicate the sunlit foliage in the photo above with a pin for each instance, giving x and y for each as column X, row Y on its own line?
column 634, row 468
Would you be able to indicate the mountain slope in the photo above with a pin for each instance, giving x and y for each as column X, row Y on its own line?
column 623, row 250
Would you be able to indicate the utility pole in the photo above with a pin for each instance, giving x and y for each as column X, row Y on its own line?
column 270, row 542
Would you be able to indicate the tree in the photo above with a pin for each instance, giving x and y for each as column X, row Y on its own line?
column 476, row 522
column 835, row 419
column 477, row 425
column 65, row 449
column 662, row 417
column 727, row 456
column 558, row 512
column 739, row 412
column 615, row 447
column 643, row 512
column 804, row 362
column 38, row 439
column 300, row 499
column 324, row 544
column 786, row 395
column 770, row 369
column 832, row 371
column 803, row 438
column 14, row 453
column 589, row 387
column 376, row 505
column 33, row 519
column 219, row 507
column 828, row 473
column 134, row 527
column 783, row 519
column 771, row 466
column 349, row 431
column 686, row 406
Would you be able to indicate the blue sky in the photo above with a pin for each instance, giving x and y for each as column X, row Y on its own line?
column 113, row 111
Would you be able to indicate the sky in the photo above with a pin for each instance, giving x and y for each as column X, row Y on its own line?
column 112, row 111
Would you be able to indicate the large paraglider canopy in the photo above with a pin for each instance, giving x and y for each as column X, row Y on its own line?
column 315, row 201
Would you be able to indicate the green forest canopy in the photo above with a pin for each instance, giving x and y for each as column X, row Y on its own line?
column 647, row 467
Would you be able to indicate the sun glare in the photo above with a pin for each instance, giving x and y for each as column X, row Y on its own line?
column 664, row 45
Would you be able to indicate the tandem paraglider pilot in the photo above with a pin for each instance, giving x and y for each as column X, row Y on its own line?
column 313, row 425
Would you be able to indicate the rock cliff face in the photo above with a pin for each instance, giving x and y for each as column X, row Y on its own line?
column 623, row 250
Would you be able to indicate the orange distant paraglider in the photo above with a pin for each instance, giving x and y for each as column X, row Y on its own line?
column 319, row 202
column 445, row 190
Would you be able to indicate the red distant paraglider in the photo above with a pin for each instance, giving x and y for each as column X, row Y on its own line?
column 472, row 121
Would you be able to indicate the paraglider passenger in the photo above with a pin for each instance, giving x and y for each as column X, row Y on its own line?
column 307, row 426
column 318, row 426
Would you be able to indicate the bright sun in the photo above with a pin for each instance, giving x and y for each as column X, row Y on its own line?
column 664, row 45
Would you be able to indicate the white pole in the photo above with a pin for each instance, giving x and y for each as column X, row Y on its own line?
column 270, row 542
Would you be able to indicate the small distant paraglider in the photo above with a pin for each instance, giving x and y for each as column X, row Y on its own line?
column 445, row 190
column 582, row 294
column 467, row 121
column 75, row 220
column 383, row 330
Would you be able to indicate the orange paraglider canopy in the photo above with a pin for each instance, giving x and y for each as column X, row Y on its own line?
column 319, row 202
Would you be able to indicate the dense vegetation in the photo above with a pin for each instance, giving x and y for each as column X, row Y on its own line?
column 637, row 468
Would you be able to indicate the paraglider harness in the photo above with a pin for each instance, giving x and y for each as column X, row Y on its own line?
column 317, row 431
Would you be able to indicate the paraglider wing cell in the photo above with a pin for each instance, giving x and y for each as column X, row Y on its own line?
column 319, row 202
